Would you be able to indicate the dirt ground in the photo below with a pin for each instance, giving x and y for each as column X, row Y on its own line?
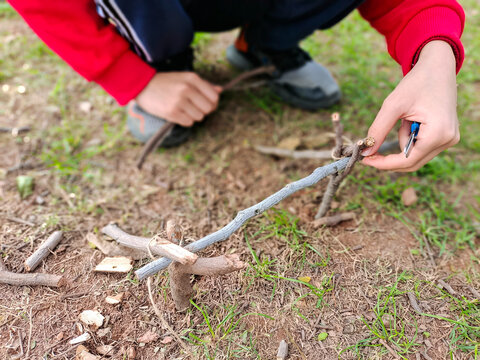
column 360, row 272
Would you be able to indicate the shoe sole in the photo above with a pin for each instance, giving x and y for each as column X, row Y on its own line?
column 237, row 60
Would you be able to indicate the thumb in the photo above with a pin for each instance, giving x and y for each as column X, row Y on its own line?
column 384, row 122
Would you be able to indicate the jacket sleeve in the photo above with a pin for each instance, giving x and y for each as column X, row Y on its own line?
column 91, row 47
column 410, row 24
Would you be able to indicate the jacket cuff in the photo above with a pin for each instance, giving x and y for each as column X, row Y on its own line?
column 126, row 77
column 436, row 23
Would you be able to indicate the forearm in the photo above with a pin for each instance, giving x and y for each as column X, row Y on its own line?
column 408, row 25
column 92, row 48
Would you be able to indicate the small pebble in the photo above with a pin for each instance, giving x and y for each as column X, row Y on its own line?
column 409, row 196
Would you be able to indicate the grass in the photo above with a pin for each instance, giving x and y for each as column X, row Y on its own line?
column 390, row 325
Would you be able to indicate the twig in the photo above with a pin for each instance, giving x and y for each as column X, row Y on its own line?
column 390, row 350
column 474, row 292
column 444, row 285
column 333, row 220
column 247, row 75
column 180, row 275
column 163, row 132
column 316, row 154
column 11, row 278
column 19, row 221
column 295, row 154
column 414, row 303
column 154, row 142
column 257, row 209
column 111, row 248
column 20, row 341
column 29, row 332
column 336, row 179
column 156, row 245
column 42, row 252
column 15, row 130
column 338, row 129
column 163, row 321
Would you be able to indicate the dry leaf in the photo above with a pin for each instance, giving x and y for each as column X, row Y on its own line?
column 82, row 353
column 167, row 340
column 92, row 317
column 148, row 337
column 305, row 278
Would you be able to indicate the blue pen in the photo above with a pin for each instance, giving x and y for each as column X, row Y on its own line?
column 412, row 139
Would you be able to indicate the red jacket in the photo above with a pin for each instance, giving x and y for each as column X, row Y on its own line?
column 97, row 52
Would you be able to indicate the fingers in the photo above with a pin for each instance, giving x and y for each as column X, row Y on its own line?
column 419, row 156
column 384, row 122
column 205, row 91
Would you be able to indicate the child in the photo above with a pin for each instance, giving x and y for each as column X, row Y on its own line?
column 139, row 52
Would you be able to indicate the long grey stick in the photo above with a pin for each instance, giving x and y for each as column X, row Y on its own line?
column 222, row 234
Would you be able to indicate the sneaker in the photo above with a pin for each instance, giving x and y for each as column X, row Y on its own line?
column 299, row 80
column 143, row 125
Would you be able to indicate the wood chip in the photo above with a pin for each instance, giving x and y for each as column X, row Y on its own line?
column 118, row 264
column 80, row 339
column 282, row 352
column 114, row 300
column 409, row 196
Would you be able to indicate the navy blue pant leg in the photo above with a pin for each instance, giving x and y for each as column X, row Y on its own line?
column 161, row 30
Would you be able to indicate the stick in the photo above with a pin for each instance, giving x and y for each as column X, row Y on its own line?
column 222, row 234
column 336, row 179
column 316, row 154
column 414, row 303
column 333, row 220
column 163, row 132
column 338, row 128
column 154, row 142
column 444, row 285
column 42, row 252
column 295, row 154
column 19, row 221
column 156, row 245
column 180, row 285
column 14, row 131
column 247, row 75
column 11, row 278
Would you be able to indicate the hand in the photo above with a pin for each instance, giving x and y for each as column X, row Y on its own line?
column 179, row 97
column 428, row 95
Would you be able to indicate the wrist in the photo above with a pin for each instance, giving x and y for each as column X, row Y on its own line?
column 438, row 54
